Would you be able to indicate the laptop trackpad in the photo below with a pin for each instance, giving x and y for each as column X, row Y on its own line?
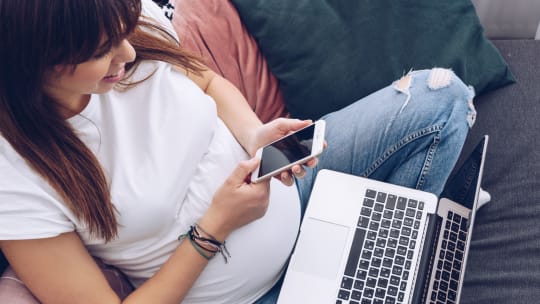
column 320, row 248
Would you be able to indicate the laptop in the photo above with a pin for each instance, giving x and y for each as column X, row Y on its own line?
column 366, row 241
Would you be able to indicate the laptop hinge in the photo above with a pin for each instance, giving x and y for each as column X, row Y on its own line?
column 425, row 265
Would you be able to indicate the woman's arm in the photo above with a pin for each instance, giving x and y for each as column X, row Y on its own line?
column 235, row 111
column 60, row 270
column 232, row 107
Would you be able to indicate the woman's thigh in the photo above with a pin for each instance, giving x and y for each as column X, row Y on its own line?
column 409, row 133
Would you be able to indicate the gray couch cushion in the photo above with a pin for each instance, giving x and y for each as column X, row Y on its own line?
column 504, row 265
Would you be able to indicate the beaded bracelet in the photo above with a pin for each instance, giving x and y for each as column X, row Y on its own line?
column 202, row 244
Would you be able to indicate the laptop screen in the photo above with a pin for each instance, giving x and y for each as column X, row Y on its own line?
column 462, row 186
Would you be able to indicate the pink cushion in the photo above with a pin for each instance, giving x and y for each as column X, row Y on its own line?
column 13, row 290
column 213, row 30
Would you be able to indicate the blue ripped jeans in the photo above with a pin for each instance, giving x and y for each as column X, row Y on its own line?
column 410, row 133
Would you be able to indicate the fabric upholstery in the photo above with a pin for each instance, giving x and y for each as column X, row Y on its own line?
column 213, row 30
column 328, row 54
column 13, row 291
column 503, row 265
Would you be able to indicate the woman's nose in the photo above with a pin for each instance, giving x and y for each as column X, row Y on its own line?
column 125, row 52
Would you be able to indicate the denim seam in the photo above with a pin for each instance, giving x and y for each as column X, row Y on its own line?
column 402, row 143
column 429, row 160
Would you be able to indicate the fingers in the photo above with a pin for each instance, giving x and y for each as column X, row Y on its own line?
column 287, row 125
column 312, row 162
column 243, row 170
column 286, row 178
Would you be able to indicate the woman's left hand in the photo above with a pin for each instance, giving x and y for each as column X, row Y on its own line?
column 274, row 130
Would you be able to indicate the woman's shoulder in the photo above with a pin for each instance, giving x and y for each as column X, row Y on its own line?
column 28, row 208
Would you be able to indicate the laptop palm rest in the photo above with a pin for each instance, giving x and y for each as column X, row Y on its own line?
column 322, row 248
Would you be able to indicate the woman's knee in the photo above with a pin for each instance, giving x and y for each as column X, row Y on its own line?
column 438, row 90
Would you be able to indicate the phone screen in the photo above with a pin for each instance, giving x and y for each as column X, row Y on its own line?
column 287, row 150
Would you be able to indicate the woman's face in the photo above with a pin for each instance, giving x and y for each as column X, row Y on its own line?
column 72, row 86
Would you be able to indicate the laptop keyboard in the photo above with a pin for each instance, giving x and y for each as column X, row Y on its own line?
column 450, row 260
column 381, row 256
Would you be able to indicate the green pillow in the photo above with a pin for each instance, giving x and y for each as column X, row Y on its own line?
column 327, row 54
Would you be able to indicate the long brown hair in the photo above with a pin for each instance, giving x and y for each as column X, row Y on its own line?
column 36, row 36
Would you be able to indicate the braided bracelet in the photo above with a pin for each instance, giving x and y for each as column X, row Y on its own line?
column 202, row 244
column 200, row 250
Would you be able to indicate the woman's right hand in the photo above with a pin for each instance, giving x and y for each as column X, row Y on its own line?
column 237, row 202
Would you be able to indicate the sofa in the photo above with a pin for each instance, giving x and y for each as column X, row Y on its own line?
column 504, row 262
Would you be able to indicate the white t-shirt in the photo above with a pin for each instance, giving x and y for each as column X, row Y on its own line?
column 165, row 152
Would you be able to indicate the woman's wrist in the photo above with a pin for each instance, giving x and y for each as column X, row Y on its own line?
column 205, row 243
column 213, row 228
column 252, row 143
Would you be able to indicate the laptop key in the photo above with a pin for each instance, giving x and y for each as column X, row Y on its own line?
column 391, row 202
column 464, row 224
column 368, row 202
column 380, row 293
column 354, row 256
column 378, row 207
column 346, row 283
column 344, row 294
column 392, row 290
column 368, row 293
column 394, row 280
column 403, row 286
column 364, row 264
column 361, row 274
column 371, row 282
column 374, row 272
column 359, row 284
column 402, row 203
column 441, row 296
column 371, row 193
column 452, row 295
column 363, row 222
column 356, row 295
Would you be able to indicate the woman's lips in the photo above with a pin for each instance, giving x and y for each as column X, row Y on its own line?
column 115, row 77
